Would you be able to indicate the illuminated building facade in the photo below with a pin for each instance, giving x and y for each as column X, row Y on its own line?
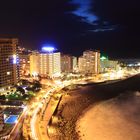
column 50, row 64
column 34, row 63
column 1, row 120
column 9, row 62
column 66, row 63
column 56, row 63
column 45, row 64
column 109, row 65
column 74, row 64
column 24, row 63
column 81, row 64
column 90, row 62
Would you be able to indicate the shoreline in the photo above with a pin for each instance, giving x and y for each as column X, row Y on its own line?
column 77, row 102
column 108, row 120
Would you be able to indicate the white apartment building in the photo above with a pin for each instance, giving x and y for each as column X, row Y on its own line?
column 46, row 64
column 89, row 62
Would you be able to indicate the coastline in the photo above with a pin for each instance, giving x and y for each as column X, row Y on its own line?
column 75, row 103
column 115, row 119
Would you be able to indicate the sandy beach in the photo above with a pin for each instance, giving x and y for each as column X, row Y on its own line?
column 84, row 105
column 112, row 120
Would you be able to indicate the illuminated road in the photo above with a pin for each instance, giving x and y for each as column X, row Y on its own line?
column 38, row 129
column 39, row 124
column 40, row 117
column 47, row 117
column 36, row 125
column 38, row 121
column 17, row 129
column 28, row 125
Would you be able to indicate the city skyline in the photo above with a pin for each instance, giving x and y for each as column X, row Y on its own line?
column 69, row 70
column 74, row 26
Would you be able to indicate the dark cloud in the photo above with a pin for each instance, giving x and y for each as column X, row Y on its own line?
column 75, row 25
column 124, row 12
column 87, row 15
column 83, row 10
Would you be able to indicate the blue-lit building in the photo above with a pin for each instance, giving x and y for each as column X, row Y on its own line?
column 46, row 63
column 9, row 63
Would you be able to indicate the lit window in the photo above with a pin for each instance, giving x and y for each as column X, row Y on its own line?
column 8, row 73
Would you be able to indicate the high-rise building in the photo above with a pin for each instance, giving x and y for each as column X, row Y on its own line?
column 9, row 63
column 81, row 64
column 90, row 62
column 24, row 64
column 74, row 64
column 66, row 63
column 1, row 120
column 34, row 63
column 57, row 63
column 108, row 65
column 45, row 64
column 50, row 64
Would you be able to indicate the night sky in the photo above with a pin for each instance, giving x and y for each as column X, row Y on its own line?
column 112, row 26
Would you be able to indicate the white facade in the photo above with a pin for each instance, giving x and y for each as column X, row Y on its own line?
column 81, row 64
column 50, row 64
column 45, row 64
column 89, row 62
column 34, row 63
column 74, row 63
column 57, row 63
